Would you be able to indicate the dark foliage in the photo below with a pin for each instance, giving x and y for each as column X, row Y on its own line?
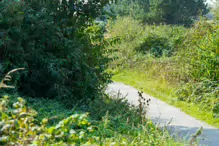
column 155, row 45
column 58, row 45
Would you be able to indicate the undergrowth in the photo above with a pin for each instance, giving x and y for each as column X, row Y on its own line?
column 112, row 121
column 20, row 125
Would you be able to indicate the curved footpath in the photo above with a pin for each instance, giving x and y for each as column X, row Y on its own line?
column 176, row 121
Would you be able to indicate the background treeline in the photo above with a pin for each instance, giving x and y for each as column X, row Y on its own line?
column 161, row 11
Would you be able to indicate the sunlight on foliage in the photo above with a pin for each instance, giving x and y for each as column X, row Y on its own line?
column 18, row 127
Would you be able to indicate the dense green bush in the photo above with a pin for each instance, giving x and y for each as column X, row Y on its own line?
column 156, row 46
column 135, row 9
column 58, row 44
column 201, row 56
column 200, row 51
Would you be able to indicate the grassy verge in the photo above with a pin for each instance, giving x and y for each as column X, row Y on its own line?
column 164, row 92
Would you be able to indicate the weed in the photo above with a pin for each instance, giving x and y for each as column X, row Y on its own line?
column 194, row 137
column 142, row 106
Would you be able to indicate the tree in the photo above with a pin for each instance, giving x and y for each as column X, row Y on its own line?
column 157, row 11
column 53, row 40
column 182, row 11
column 134, row 8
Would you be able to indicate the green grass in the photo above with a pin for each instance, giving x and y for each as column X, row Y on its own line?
column 164, row 92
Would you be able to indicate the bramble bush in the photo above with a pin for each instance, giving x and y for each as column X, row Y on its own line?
column 201, row 56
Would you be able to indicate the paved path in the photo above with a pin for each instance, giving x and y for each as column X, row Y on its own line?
column 163, row 114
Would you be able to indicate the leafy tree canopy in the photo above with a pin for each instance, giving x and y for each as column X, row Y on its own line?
column 158, row 11
column 58, row 44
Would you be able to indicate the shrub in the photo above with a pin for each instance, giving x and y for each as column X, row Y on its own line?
column 125, row 28
column 56, row 47
column 155, row 45
column 200, row 56
column 205, row 92
column 201, row 51
column 138, row 44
